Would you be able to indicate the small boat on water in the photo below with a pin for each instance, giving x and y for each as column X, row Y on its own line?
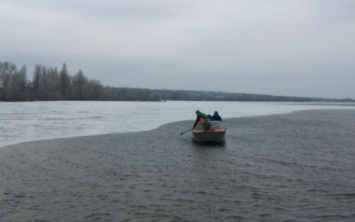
column 215, row 134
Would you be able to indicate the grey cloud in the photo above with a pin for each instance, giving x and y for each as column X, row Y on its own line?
column 269, row 47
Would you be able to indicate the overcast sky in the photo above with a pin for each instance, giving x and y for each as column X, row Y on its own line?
column 276, row 47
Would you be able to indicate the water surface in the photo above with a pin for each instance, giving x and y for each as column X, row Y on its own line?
column 28, row 121
column 289, row 167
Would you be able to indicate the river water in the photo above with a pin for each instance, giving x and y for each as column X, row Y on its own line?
column 28, row 121
column 285, row 167
column 289, row 167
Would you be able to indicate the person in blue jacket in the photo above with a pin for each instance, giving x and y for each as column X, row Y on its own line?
column 216, row 116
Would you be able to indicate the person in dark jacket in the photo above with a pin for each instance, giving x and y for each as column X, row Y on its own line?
column 202, row 119
column 216, row 117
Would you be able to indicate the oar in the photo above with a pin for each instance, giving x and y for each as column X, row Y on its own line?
column 186, row 131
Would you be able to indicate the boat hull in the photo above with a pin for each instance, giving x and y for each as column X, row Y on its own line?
column 211, row 135
column 215, row 134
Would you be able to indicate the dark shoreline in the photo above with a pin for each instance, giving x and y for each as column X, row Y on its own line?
column 295, row 167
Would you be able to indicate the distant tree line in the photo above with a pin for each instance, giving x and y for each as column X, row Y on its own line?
column 50, row 84
column 47, row 84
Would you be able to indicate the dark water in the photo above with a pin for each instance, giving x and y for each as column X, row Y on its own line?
column 295, row 167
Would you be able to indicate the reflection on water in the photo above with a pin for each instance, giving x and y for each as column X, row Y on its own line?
column 208, row 144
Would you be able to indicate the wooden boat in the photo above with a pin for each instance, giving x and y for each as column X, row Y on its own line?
column 215, row 134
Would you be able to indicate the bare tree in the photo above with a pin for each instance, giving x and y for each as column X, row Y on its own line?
column 7, row 70
column 78, row 86
column 64, row 82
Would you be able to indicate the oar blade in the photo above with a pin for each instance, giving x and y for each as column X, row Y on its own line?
column 185, row 131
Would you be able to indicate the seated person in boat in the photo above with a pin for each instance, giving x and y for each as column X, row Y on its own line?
column 203, row 120
column 216, row 117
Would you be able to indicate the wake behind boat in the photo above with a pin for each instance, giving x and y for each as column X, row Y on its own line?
column 215, row 134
